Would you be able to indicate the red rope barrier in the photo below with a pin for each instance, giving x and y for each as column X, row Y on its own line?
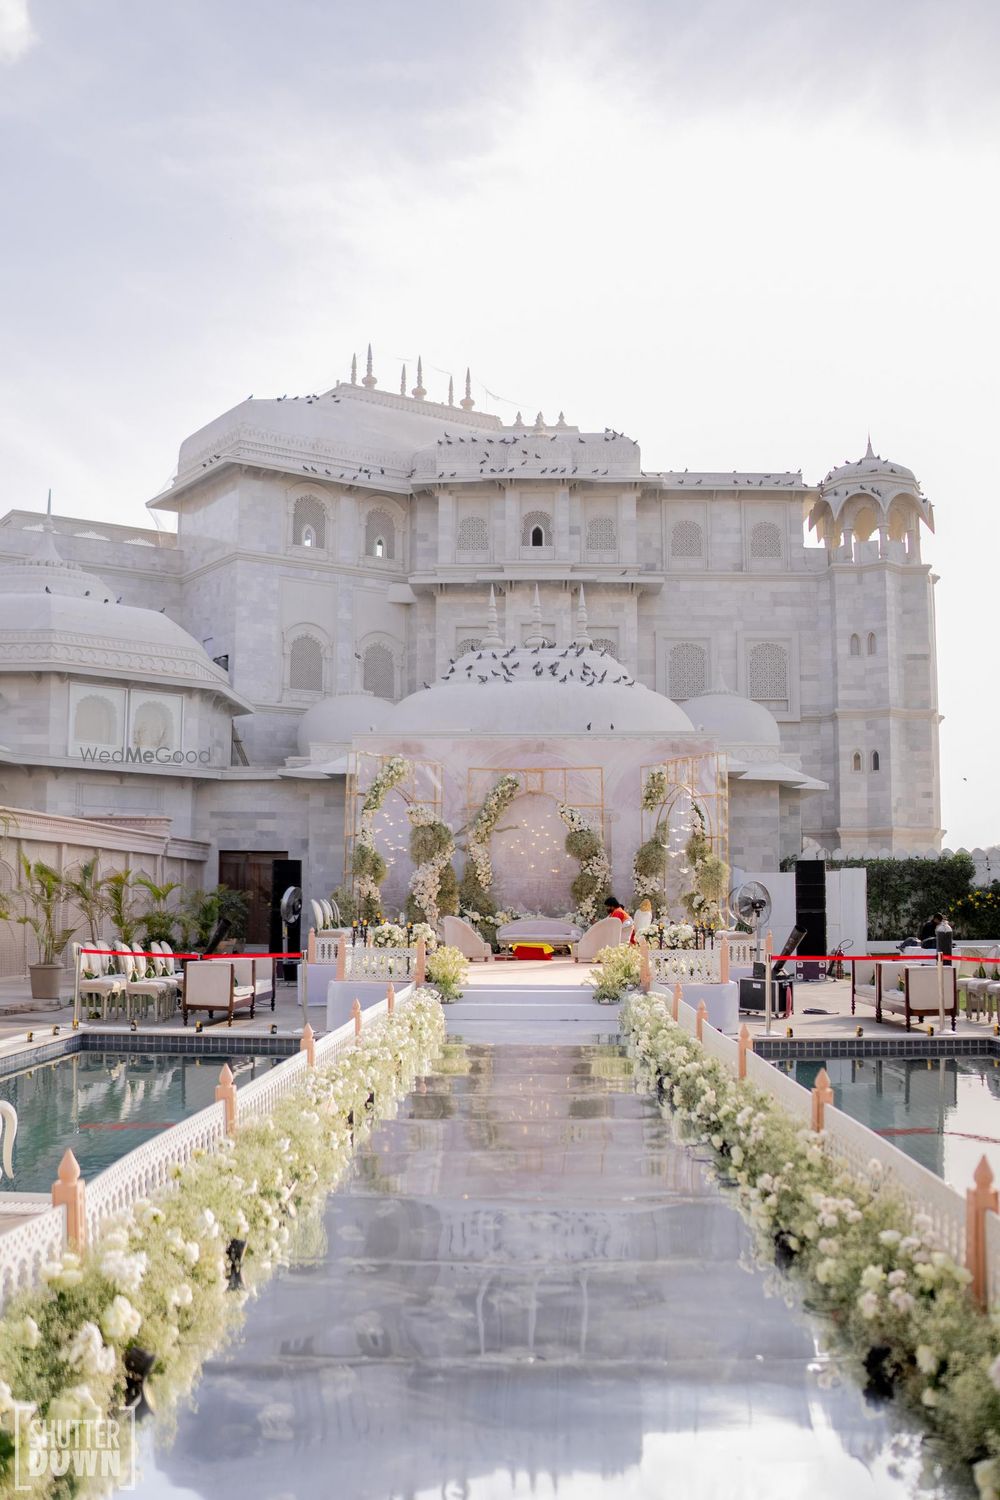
column 139, row 953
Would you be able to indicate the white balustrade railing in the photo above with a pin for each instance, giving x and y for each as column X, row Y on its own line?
column 26, row 1248
column 796, row 1099
column 686, row 965
column 396, row 964
column 150, row 1166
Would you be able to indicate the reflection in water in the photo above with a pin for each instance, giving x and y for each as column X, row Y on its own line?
column 528, row 1286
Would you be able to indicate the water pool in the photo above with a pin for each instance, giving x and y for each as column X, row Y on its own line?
column 103, row 1104
column 942, row 1111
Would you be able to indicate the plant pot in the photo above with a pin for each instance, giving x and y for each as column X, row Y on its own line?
column 45, row 981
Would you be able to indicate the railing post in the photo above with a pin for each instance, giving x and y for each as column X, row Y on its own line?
column 645, row 970
column 701, row 1015
column 311, row 946
column 724, row 961
column 70, row 1192
column 677, row 1001
column 980, row 1199
column 308, row 1045
column 341, row 957
column 745, row 1047
column 390, row 998
column 420, row 966
column 225, row 1094
column 76, row 985
column 822, row 1095
column 356, row 1013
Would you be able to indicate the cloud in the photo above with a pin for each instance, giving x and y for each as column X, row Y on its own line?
column 16, row 35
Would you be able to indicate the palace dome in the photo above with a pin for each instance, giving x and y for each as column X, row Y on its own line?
column 734, row 720
column 336, row 720
column 54, row 616
column 872, row 464
column 541, row 689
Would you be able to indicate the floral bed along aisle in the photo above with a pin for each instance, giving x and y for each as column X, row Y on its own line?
column 901, row 1303
column 171, row 1276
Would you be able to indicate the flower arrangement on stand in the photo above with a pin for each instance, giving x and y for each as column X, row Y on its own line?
column 616, row 969
column 369, row 866
column 710, row 874
column 583, row 843
column 169, row 1277
column 446, row 971
column 433, row 884
column 476, row 890
column 900, row 1302
column 679, row 935
column 649, row 861
column 387, row 935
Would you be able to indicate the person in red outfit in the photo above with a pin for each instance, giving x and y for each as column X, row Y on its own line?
column 614, row 908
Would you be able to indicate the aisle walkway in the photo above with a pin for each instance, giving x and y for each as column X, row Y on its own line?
column 529, row 1285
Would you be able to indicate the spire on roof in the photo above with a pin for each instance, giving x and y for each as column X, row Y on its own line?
column 467, row 402
column 402, row 382
column 354, row 369
column 519, row 420
column 582, row 637
column 451, row 391
column 48, row 504
column 418, row 393
column 536, row 636
column 868, row 450
column 539, row 423
column 562, row 419
column 492, row 638
column 369, row 381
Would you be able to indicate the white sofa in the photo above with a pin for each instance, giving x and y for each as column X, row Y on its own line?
column 462, row 935
column 907, row 990
column 606, row 933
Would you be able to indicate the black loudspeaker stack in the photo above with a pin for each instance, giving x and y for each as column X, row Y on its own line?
column 810, row 904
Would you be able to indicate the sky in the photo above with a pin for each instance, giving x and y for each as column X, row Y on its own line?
column 746, row 232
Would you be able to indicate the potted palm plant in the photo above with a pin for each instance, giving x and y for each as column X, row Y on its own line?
column 41, row 894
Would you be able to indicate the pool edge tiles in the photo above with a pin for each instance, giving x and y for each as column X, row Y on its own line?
column 814, row 1049
column 210, row 1044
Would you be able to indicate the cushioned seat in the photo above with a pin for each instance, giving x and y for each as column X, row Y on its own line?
column 462, row 935
column 211, row 985
column 907, row 990
column 606, row 933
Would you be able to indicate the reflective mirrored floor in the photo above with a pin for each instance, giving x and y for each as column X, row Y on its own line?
column 529, row 1288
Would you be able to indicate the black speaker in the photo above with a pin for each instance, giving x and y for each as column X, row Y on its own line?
column 810, row 904
column 754, row 991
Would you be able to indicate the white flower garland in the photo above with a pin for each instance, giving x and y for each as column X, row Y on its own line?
column 395, row 770
column 159, row 1273
column 426, row 878
column 597, row 864
column 496, row 801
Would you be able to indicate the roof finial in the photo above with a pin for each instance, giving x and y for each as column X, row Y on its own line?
column 48, row 504
column 451, row 391
column 354, row 369
column 868, row 450
column 369, row 381
column 467, row 402
column 582, row 637
column 492, row 637
column 539, row 423
column 519, row 420
column 562, row 419
column 536, row 636
column 402, row 382
column 418, row 391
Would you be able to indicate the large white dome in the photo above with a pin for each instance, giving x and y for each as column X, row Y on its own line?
column 336, row 720
column 544, row 690
column 734, row 720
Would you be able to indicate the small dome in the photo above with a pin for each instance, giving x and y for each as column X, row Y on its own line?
column 54, row 616
column 336, row 720
column 734, row 720
column 871, row 465
column 543, row 690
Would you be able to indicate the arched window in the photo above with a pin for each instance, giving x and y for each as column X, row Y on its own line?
column 466, row 644
column 765, row 540
column 380, row 535
column 305, row 665
column 856, row 764
column 379, row 671
column 536, row 529
column 855, row 645
column 309, row 522
column 473, row 534
column 871, row 643
column 95, row 721
column 602, row 534
column 687, row 670
column 602, row 643
column 875, row 761
column 767, row 674
column 686, row 540
column 152, row 727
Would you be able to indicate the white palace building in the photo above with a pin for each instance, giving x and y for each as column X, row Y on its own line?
column 360, row 572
